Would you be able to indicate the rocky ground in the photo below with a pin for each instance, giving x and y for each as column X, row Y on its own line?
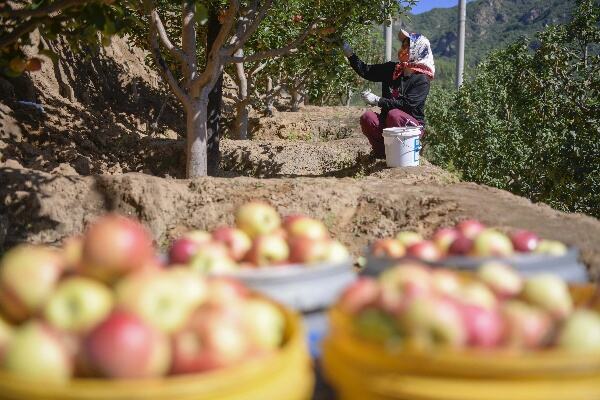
column 108, row 147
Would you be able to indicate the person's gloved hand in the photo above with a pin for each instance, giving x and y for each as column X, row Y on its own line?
column 370, row 98
column 347, row 49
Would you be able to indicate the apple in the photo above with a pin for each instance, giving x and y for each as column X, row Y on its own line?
column 17, row 64
column 114, row 246
column 225, row 290
column 524, row 241
column 28, row 276
column 434, row 321
column 257, row 219
column 408, row 238
column 308, row 251
column 236, row 241
column 444, row 237
column 299, row 226
column 377, row 325
column 72, row 250
column 549, row 292
column 193, row 287
column 37, row 354
column 213, row 258
column 470, row 228
column 485, row 327
column 445, row 282
column 461, row 246
column 477, row 294
column 526, row 327
column 361, row 294
column 34, row 64
column 214, row 338
column 581, row 332
column 78, row 304
column 123, row 346
column 336, row 252
column 156, row 297
column 182, row 250
column 551, row 248
column 425, row 250
column 501, row 278
column 264, row 324
column 491, row 243
column 409, row 280
column 268, row 250
column 391, row 248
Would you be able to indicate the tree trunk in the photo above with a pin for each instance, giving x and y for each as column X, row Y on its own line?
column 196, row 132
column 215, row 99
column 243, row 106
column 270, row 99
column 349, row 98
column 296, row 100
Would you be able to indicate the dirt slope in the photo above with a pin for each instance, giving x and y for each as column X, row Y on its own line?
column 41, row 207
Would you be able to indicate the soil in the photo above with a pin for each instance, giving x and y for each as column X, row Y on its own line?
column 102, row 150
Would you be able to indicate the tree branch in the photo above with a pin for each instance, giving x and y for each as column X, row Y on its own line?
column 243, row 37
column 290, row 48
column 164, row 37
column 57, row 6
column 189, row 66
column 21, row 30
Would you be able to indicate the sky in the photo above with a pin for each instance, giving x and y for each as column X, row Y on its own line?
column 426, row 5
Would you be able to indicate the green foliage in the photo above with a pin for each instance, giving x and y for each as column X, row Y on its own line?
column 529, row 121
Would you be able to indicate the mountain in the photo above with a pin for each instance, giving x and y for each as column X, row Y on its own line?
column 490, row 24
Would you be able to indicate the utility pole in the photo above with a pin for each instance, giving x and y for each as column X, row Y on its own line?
column 388, row 33
column 460, row 51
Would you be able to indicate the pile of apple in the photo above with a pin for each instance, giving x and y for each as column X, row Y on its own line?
column 103, row 306
column 467, row 238
column 424, row 308
column 261, row 238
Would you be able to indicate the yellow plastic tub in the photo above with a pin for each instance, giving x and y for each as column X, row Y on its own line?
column 286, row 375
column 364, row 370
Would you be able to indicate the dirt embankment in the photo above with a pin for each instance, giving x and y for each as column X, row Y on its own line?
column 41, row 207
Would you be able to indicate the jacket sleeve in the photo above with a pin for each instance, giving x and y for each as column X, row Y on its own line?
column 373, row 72
column 415, row 95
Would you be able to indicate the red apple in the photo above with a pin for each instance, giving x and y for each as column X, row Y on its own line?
column 470, row 228
column 28, row 276
column 408, row 238
column 445, row 282
column 403, row 283
column 425, row 250
column 124, row 347
column 524, row 241
column 213, row 339
column 501, row 278
column 444, row 237
column 525, row 326
column 114, row 246
column 551, row 248
column 236, row 241
column 477, row 294
column 549, row 292
column 224, row 290
column 257, row 218
column 491, row 243
column 268, row 250
column 485, row 327
column 461, row 246
column 391, row 248
column 37, row 354
column 198, row 236
column 581, row 332
column 337, row 252
column 72, row 249
column 264, row 325
column 361, row 294
column 193, row 286
column 182, row 250
column 308, row 251
column 298, row 226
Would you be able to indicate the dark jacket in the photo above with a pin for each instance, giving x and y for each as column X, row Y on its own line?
column 407, row 93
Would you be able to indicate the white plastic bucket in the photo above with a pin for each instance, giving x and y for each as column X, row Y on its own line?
column 402, row 146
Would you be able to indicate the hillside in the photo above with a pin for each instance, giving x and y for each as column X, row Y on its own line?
column 490, row 24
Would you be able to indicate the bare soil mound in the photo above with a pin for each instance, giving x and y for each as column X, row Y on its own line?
column 42, row 207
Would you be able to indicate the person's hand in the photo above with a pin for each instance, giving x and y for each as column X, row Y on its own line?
column 347, row 49
column 370, row 98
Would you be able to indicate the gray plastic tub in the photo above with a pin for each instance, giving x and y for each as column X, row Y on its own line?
column 567, row 266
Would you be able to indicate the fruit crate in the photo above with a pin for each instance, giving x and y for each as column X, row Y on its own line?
column 360, row 369
column 566, row 266
column 286, row 374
